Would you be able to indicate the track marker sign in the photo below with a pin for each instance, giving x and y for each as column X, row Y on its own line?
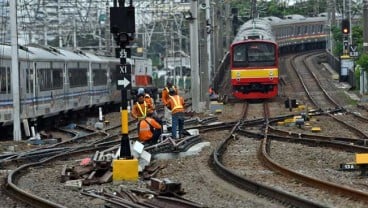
column 353, row 52
column 124, row 77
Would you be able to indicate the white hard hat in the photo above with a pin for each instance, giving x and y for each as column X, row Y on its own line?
column 140, row 91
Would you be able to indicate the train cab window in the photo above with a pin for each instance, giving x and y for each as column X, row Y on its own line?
column 239, row 53
column 254, row 54
column 4, row 80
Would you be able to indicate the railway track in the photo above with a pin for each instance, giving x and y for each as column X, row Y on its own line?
column 27, row 167
column 256, row 178
column 249, row 136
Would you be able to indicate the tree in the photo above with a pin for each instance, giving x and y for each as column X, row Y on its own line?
column 363, row 61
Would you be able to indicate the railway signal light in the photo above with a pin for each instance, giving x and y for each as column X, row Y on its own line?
column 345, row 26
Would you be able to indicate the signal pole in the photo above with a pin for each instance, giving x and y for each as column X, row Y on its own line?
column 122, row 26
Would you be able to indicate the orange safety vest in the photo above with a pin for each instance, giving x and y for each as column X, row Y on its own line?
column 146, row 129
column 165, row 94
column 143, row 113
column 177, row 103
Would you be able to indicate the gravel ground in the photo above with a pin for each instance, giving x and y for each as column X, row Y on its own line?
column 197, row 180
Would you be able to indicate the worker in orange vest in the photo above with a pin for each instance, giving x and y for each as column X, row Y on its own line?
column 176, row 105
column 149, row 130
column 165, row 100
column 149, row 100
column 141, row 109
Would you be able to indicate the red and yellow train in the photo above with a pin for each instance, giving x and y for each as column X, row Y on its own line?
column 256, row 47
column 254, row 69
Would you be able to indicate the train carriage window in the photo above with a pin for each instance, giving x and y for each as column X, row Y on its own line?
column 4, row 80
column 99, row 76
column 291, row 31
column 29, row 80
column 77, row 74
column 50, row 79
column 78, row 77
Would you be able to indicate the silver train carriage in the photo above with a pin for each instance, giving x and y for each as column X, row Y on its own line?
column 299, row 31
column 292, row 31
column 54, row 81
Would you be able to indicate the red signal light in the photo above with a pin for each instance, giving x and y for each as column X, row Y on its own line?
column 345, row 26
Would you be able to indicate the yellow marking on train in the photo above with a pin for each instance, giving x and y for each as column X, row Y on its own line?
column 254, row 73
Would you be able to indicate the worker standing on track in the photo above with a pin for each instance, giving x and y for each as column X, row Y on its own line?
column 165, row 100
column 176, row 105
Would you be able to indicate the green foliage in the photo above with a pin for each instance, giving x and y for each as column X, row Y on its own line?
column 337, row 39
column 363, row 61
column 358, row 37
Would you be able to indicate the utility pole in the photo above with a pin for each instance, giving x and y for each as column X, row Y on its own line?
column 209, row 27
column 365, row 26
column 59, row 24
column 194, row 63
column 17, row 135
column 333, row 17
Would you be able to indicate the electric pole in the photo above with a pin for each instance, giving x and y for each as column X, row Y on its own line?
column 17, row 135
column 194, row 63
column 365, row 26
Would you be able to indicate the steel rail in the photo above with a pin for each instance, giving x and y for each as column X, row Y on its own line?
column 335, row 188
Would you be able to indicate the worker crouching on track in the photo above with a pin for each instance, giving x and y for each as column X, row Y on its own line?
column 149, row 130
column 176, row 105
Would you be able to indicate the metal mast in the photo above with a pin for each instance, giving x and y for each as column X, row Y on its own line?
column 365, row 26
column 17, row 135
column 194, row 62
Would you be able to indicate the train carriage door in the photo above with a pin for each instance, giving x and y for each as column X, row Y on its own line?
column 78, row 85
column 69, row 66
column 49, row 86
column 41, row 90
column 6, row 103
column 27, row 88
column 100, row 91
column 57, row 86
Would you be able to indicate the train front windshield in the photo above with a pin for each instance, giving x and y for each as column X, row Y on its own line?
column 254, row 54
